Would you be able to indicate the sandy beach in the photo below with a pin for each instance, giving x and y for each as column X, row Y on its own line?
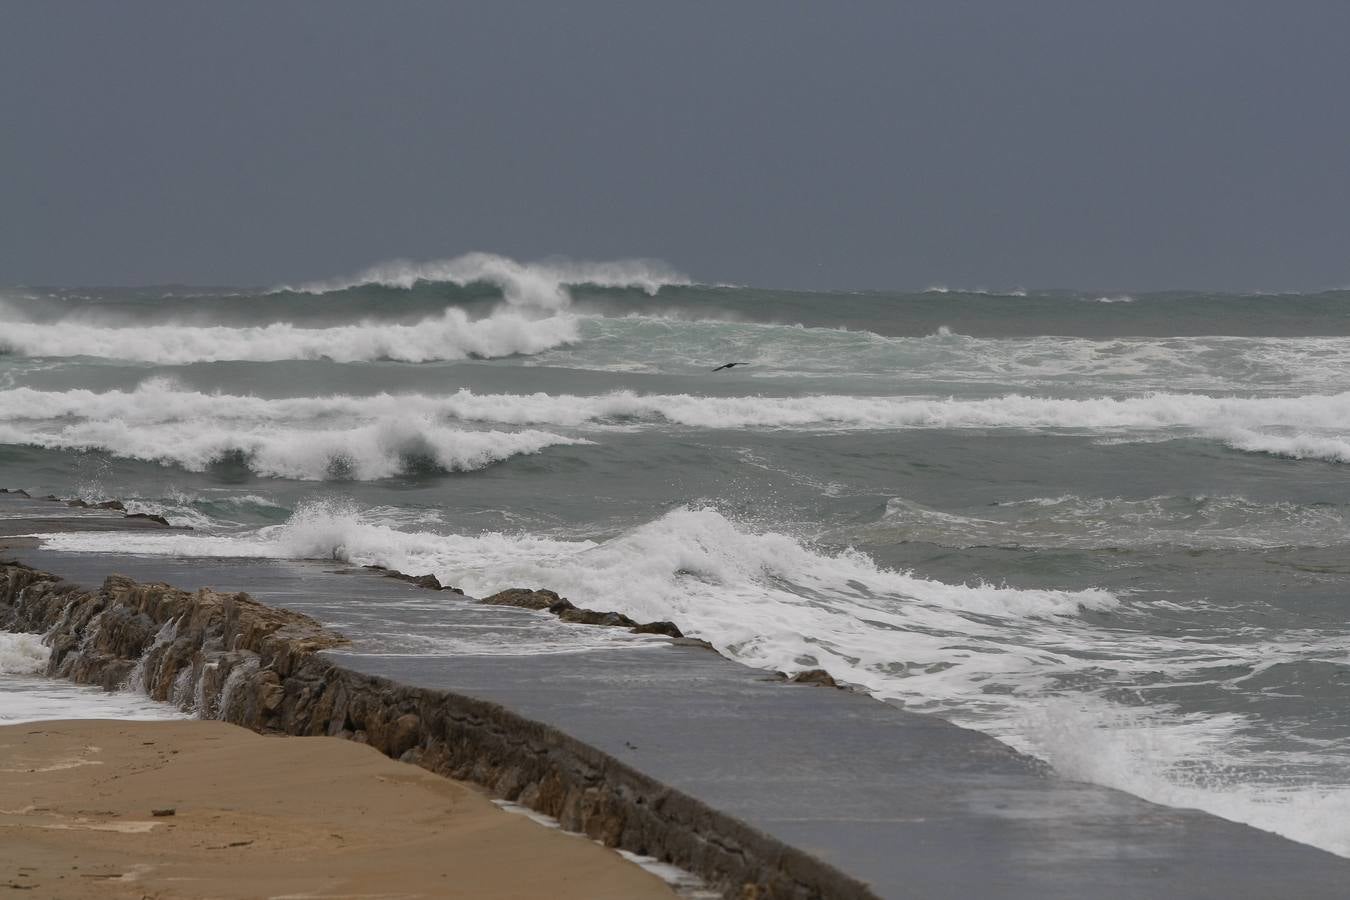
column 85, row 812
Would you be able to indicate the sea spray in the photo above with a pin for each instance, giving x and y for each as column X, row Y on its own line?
column 22, row 654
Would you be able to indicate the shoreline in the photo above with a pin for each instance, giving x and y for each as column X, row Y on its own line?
column 194, row 808
column 243, row 662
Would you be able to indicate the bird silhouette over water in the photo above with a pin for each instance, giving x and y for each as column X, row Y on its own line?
column 728, row 366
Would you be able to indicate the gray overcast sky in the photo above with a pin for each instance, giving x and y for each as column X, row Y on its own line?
column 1139, row 145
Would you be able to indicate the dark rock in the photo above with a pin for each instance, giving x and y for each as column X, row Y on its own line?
column 428, row 581
column 111, row 504
column 814, row 676
column 167, row 811
column 403, row 735
column 18, row 492
column 669, row 629
column 694, row 642
column 523, row 598
column 150, row 517
column 561, row 607
column 594, row 617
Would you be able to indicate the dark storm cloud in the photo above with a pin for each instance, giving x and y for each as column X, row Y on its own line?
column 1133, row 145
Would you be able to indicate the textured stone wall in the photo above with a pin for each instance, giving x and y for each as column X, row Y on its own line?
column 229, row 657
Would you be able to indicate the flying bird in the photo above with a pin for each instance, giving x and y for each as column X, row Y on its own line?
column 728, row 366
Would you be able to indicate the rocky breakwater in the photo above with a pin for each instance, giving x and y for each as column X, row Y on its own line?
column 229, row 657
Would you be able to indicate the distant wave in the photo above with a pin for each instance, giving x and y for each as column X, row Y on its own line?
column 1310, row 426
column 451, row 335
column 1092, row 523
column 1333, row 448
column 636, row 342
column 538, row 285
column 303, row 438
column 944, row 289
column 648, row 343
column 383, row 449
column 160, row 400
column 532, row 316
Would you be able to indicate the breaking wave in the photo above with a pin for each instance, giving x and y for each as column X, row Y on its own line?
column 339, row 438
column 451, row 335
column 531, row 317
column 1301, row 427
column 721, row 580
column 383, row 449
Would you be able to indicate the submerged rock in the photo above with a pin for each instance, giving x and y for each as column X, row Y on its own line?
column 669, row 629
column 814, row 676
column 594, row 617
column 523, row 598
column 150, row 517
column 106, row 504
column 428, row 581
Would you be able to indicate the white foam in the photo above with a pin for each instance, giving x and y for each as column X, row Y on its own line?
column 296, row 437
column 159, row 400
column 26, row 696
column 29, row 698
column 22, row 654
column 381, row 449
column 1186, row 762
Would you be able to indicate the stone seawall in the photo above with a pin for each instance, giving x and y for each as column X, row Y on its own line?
column 229, row 657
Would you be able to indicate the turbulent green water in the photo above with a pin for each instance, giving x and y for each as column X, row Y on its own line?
column 1111, row 530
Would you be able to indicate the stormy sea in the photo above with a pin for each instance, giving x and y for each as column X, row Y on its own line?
column 1109, row 529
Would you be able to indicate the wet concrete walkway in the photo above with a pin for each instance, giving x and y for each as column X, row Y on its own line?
column 908, row 803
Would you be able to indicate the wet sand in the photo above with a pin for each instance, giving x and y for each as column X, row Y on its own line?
column 256, row 816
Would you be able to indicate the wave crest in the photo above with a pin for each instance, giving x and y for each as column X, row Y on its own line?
column 538, row 285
